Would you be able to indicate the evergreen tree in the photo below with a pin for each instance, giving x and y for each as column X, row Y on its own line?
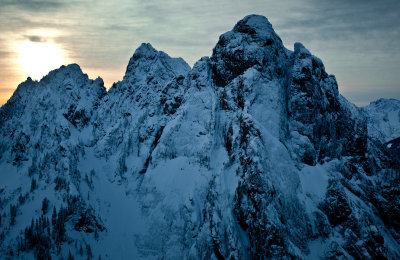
column 70, row 255
column 13, row 213
column 59, row 228
column 89, row 251
column 81, row 250
column 37, row 239
column 45, row 205
column 21, row 199
column 33, row 184
column 54, row 217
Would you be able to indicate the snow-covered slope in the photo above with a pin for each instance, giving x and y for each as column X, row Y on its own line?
column 252, row 153
column 383, row 119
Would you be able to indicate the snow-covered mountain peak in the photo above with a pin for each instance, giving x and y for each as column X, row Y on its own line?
column 59, row 104
column 150, row 92
column 145, row 50
column 62, row 86
column 27, row 85
column 252, row 42
column 66, row 69
column 255, row 25
column 65, row 79
column 149, row 67
column 300, row 49
column 65, row 72
column 383, row 117
column 386, row 103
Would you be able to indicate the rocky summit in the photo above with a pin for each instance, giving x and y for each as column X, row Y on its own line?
column 250, row 154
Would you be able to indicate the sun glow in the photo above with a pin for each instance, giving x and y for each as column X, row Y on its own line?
column 38, row 58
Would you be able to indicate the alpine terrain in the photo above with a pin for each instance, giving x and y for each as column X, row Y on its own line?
column 250, row 154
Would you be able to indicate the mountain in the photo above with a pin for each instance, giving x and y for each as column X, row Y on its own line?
column 383, row 118
column 252, row 153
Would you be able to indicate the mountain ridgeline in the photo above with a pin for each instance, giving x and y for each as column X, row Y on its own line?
column 250, row 154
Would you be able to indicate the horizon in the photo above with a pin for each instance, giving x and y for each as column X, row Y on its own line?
column 362, row 55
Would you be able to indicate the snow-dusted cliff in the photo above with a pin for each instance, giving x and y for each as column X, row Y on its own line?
column 252, row 153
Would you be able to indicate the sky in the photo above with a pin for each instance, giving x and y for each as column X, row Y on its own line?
column 358, row 41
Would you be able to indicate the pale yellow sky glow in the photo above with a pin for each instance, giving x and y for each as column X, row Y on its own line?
column 36, row 59
column 32, row 53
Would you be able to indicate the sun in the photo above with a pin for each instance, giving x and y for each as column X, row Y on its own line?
column 38, row 58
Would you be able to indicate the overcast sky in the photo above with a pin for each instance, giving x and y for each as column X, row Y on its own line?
column 358, row 41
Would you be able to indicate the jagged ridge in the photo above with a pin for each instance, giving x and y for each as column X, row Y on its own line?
column 252, row 153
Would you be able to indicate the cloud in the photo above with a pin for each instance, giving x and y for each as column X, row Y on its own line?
column 35, row 38
column 366, row 21
column 33, row 5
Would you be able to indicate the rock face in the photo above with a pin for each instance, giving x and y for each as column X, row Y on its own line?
column 318, row 114
column 251, row 42
column 252, row 153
